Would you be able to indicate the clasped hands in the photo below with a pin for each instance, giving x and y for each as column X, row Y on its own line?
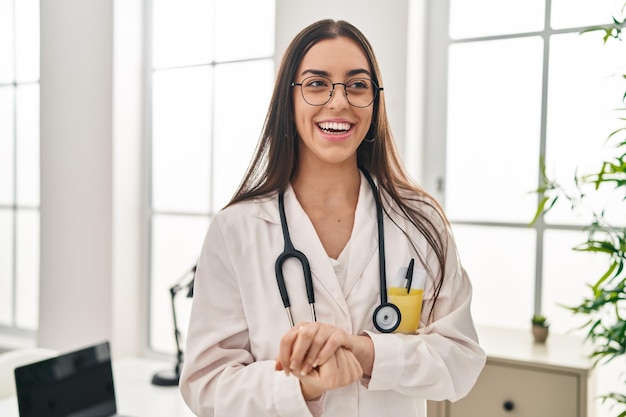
column 323, row 357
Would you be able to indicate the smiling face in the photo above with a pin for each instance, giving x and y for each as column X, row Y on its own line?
column 331, row 133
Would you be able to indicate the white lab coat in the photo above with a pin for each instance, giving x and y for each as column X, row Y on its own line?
column 238, row 318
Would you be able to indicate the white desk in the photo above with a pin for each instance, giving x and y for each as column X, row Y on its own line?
column 135, row 394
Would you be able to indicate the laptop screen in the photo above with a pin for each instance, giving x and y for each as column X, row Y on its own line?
column 74, row 384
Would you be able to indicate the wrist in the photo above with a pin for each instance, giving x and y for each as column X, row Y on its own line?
column 362, row 348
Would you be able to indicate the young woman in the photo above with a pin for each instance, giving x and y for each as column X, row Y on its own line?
column 327, row 184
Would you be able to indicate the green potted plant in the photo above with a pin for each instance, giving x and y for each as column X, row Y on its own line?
column 605, row 304
column 540, row 328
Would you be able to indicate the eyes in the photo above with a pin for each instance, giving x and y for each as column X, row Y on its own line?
column 353, row 85
column 318, row 90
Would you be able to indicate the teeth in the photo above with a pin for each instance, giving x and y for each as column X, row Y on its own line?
column 334, row 126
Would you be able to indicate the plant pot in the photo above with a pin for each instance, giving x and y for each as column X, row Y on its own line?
column 540, row 333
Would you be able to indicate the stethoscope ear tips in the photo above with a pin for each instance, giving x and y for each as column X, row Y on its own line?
column 387, row 318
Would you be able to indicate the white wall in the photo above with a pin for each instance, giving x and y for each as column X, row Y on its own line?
column 129, row 166
column 91, row 171
column 76, row 172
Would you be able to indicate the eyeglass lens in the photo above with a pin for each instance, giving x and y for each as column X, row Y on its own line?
column 317, row 91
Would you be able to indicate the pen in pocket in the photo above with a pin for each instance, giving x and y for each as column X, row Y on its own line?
column 409, row 275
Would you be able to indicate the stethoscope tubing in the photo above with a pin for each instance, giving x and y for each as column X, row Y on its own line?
column 291, row 252
column 381, row 240
column 387, row 316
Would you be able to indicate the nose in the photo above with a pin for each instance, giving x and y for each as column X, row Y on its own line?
column 343, row 96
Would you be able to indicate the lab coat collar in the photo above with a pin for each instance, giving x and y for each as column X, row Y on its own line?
column 364, row 238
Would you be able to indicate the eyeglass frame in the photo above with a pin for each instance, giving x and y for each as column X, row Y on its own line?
column 377, row 90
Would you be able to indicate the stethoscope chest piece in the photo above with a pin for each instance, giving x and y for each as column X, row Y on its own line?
column 387, row 317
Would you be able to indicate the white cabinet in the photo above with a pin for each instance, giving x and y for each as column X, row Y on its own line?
column 525, row 379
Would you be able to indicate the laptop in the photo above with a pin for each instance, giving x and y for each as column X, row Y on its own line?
column 74, row 384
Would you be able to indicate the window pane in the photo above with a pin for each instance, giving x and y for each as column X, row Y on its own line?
column 181, row 123
column 27, row 251
column 468, row 18
column 257, row 22
column 503, row 280
column 6, row 267
column 234, row 146
column 6, row 145
column 27, row 40
column 583, row 95
column 27, row 112
column 493, row 130
column 578, row 13
column 566, row 276
column 176, row 243
column 6, row 41
column 182, row 32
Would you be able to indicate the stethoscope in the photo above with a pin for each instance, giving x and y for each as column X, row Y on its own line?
column 386, row 316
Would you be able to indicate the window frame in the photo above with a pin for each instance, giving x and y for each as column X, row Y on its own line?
column 150, row 213
column 13, row 330
column 435, row 120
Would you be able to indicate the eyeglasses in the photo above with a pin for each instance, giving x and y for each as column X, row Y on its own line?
column 318, row 90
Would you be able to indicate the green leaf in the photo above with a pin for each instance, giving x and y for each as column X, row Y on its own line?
column 604, row 277
column 541, row 208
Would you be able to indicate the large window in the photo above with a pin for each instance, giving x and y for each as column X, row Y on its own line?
column 19, row 166
column 522, row 83
column 212, row 73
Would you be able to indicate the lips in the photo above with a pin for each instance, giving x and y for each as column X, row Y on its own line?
column 335, row 127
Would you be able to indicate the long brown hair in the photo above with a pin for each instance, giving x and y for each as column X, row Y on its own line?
column 275, row 160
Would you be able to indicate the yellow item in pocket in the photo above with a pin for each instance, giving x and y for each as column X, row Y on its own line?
column 410, row 305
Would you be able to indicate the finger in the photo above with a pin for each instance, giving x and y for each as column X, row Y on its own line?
column 329, row 372
column 318, row 381
column 336, row 338
column 286, row 347
column 305, row 341
column 284, row 353
column 322, row 347
column 318, row 344
column 278, row 366
column 349, row 369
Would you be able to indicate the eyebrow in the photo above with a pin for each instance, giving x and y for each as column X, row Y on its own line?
column 350, row 73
